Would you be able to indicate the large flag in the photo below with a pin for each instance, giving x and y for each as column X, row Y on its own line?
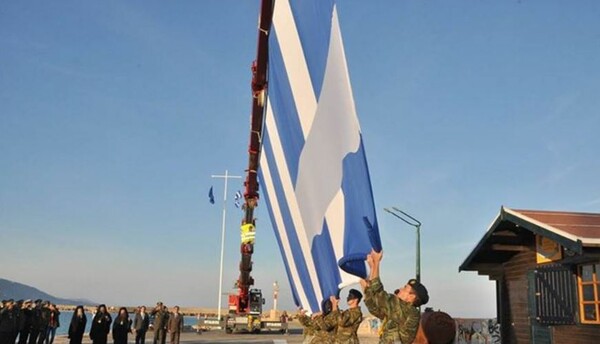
column 313, row 165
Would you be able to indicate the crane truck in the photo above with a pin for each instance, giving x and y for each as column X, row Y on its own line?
column 245, row 307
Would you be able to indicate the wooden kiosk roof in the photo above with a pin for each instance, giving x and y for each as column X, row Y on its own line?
column 514, row 230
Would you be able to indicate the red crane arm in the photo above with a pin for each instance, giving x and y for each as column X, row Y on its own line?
column 259, row 96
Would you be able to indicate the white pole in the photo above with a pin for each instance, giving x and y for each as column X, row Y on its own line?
column 226, row 177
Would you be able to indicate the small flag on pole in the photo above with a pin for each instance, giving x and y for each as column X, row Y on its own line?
column 238, row 198
column 211, row 196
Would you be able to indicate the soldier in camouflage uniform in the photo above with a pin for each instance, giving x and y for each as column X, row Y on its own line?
column 307, row 324
column 400, row 311
column 349, row 320
column 385, row 325
column 325, row 324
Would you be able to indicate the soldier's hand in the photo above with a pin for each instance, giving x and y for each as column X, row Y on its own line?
column 376, row 256
column 334, row 302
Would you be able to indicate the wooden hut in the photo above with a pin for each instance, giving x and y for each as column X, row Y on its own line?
column 546, row 265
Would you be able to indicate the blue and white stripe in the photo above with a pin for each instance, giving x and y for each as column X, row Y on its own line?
column 313, row 166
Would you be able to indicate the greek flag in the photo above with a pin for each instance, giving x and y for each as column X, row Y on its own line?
column 313, row 165
column 237, row 198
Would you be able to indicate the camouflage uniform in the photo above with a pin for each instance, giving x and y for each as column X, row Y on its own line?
column 402, row 318
column 348, row 322
column 325, row 327
column 309, row 328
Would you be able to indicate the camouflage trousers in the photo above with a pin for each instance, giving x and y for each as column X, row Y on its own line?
column 390, row 338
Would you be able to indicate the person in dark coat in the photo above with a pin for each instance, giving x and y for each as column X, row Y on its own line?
column 36, row 318
column 140, row 325
column 77, row 326
column 175, row 325
column 121, row 327
column 100, row 326
column 25, row 322
column 8, row 323
column 17, row 314
column 44, row 322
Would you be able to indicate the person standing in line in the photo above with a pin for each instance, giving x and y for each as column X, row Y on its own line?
column 43, row 323
column 121, row 327
column 77, row 326
column 140, row 325
column 17, row 314
column 100, row 325
column 53, row 323
column 175, row 326
column 349, row 320
column 36, row 318
column 160, row 318
column 8, row 323
column 25, row 322
column 165, row 324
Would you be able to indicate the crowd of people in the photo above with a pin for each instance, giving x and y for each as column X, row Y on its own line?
column 27, row 322
column 399, row 312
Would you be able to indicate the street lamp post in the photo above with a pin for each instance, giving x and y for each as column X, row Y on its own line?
column 415, row 223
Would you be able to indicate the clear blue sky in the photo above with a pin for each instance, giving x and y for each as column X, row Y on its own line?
column 113, row 116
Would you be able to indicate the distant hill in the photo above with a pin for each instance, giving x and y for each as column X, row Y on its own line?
column 18, row 291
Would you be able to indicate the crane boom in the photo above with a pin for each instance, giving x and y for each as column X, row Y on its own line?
column 259, row 96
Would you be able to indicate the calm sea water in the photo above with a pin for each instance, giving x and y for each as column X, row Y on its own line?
column 65, row 320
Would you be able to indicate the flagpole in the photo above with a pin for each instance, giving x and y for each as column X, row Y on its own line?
column 226, row 177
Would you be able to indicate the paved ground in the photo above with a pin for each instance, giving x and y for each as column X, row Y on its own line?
column 263, row 338
column 221, row 337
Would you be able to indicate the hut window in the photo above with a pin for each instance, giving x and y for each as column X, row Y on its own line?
column 588, row 284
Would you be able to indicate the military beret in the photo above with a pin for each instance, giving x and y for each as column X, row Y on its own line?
column 354, row 294
column 420, row 292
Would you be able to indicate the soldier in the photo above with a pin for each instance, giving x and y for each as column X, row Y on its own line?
column 8, row 323
column 385, row 324
column 325, row 324
column 43, row 322
column 17, row 314
column 25, row 322
column 160, row 323
column 349, row 320
column 308, row 328
column 401, row 312
column 36, row 318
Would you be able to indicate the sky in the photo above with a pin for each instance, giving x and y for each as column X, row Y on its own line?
column 114, row 115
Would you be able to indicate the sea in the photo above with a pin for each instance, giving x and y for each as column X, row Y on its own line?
column 65, row 320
